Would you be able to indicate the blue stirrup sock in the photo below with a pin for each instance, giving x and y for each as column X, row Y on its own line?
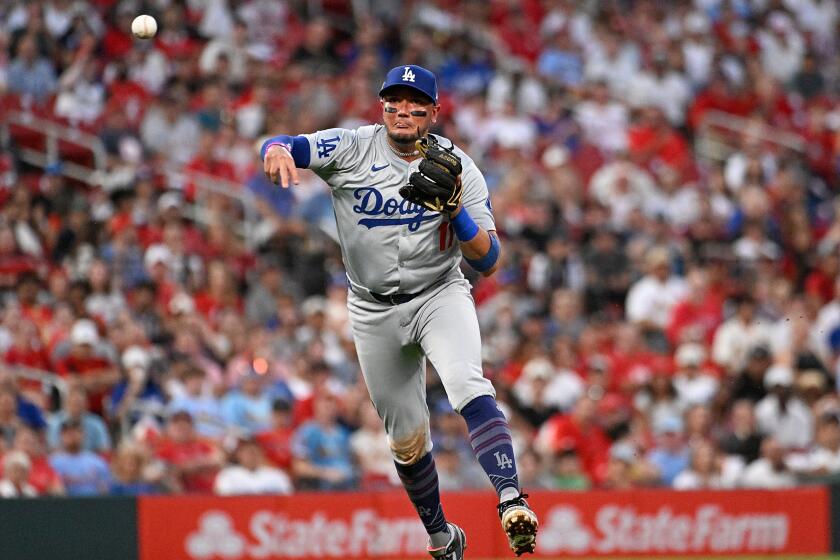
column 421, row 484
column 492, row 444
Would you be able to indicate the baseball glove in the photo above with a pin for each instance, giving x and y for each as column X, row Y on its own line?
column 437, row 183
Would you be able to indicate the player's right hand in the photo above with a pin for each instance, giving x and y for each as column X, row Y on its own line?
column 279, row 167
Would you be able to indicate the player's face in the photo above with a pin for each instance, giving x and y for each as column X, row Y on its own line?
column 404, row 110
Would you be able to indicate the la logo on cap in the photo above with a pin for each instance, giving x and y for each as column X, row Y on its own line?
column 408, row 75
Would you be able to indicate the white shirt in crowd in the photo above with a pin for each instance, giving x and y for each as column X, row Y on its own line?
column 603, row 124
column 670, row 92
column 761, row 474
column 793, row 429
column 622, row 187
column 235, row 480
column 650, row 299
column 781, row 56
column 731, row 470
column 373, row 452
column 9, row 490
column 817, row 459
column 562, row 391
column 697, row 390
column 733, row 341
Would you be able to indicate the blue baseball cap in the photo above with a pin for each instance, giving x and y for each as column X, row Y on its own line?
column 413, row 76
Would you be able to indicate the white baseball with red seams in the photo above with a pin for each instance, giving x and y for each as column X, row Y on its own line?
column 144, row 27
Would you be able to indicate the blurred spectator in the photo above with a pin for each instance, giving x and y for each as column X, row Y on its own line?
column 276, row 442
column 657, row 398
column 579, row 430
column 608, row 271
column 454, row 473
column 531, row 470
column 621, row 471
column 232, row 49
column 781, row 413
column 372, row 451
column 42, row 476
column 251, row 475
column 662, row 86
column 14, row 483
column 651, row 299
column 671, row 455
column 603, row 120
column 316, row 53
column 81, row 93
column 192, row 460
column 708, row 469
column 30, row 74
column 130, row 470
column 739, row 335
column 824, row 458
column 694, row 385
column 622, row 186
column 770, row 471
column 16, row 413
column 169, row 129
column 85, row 362
column 749, row 383
column 137, row 394
column 699, row 424
column 696, row 316
column 83, row 473
column 321, row 448
column 200, row 404
column 248, row 409
column 742, row 437
column 782, row 47
column 541, row 391
column 827, row 320
column 567, row 473
column 95, row 433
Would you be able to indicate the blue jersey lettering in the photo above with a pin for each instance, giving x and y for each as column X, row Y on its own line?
column 372, row 203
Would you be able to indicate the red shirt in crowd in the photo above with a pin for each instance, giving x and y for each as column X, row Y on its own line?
column 702, row 318
column 590, row 442
column 76, row 366
column 277, row 446
column 182, row 454
column 42, row 476
column 649, row 145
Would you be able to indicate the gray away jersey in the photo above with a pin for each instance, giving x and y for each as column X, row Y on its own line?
column 388, row 244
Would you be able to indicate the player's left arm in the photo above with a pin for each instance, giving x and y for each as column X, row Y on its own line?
column 474, row 224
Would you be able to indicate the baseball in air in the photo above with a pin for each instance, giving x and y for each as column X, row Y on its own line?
column 144, row 27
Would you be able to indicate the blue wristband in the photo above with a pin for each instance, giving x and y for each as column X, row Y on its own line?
column 465, row 227
column 487, row 261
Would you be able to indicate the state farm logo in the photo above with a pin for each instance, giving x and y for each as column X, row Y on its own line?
column 623, row 530
column 215, row 537
column 563, row 530
column 273, row 535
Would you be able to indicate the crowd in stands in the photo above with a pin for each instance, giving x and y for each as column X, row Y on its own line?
column 667, row 309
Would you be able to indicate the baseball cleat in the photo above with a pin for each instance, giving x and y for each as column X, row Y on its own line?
column 520, row 524
column 456, row 547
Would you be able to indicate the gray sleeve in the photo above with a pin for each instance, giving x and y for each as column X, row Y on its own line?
column 332, row 151
column 476, row 198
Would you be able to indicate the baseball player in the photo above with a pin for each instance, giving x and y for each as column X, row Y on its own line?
column 409, row 205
